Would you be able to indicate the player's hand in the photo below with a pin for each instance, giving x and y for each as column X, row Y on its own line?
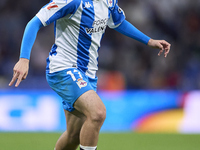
column 162, row 45
column 20, row 71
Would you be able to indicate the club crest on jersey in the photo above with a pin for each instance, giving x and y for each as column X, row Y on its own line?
column 110, row 3
column 52, row 5
column 81, row 83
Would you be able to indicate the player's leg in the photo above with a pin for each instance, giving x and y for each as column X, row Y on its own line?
column 93, row 108
column 78, row 92
column 70, row 139
column 80, row 129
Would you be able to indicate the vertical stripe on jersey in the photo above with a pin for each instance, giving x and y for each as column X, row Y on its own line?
column 84, row 41
column 52, row 52
column 98, row 50
column 100, row 13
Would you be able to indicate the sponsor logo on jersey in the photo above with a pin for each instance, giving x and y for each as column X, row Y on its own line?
column 98, row 26
column 100, row 22
column 87, row 5
column 52, row 5
column 110, row 3
column 95, row 30
column 81, row 83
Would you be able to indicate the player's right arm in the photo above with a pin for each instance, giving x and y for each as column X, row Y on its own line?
column 48, row 14
column 20, row 70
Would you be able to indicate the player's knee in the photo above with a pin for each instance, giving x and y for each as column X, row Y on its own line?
column 99, row 115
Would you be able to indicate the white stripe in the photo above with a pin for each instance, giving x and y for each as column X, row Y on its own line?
column 88, row 147
column 67, row 49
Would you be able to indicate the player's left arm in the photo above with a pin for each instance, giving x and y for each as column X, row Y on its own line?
column 129, row 30
column 162, row 45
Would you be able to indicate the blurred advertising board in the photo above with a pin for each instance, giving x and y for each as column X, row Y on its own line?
column 138, row 111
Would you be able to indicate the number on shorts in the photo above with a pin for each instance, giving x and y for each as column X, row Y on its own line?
column 73, row 76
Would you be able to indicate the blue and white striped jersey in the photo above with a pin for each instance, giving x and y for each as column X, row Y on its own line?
column 79, row 28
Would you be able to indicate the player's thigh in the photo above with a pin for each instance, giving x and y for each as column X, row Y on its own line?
column 90, row 105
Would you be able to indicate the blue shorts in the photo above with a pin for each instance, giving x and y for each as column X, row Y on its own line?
column 70, row 84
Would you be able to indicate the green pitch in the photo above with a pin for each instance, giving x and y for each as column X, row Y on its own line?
column 107, row 141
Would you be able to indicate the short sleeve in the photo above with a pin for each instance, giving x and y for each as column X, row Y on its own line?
column 117, row 17
column 57, row 9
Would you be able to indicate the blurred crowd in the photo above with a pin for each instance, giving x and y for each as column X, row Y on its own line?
column 123, row 62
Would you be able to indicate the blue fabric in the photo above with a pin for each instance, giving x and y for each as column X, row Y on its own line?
column 117, row 15
column 70, row 8
column 129, row 30
column 29, row 37
column 70, row 84
column 84, row 41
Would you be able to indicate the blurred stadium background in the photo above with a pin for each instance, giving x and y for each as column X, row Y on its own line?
column 147, row 97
